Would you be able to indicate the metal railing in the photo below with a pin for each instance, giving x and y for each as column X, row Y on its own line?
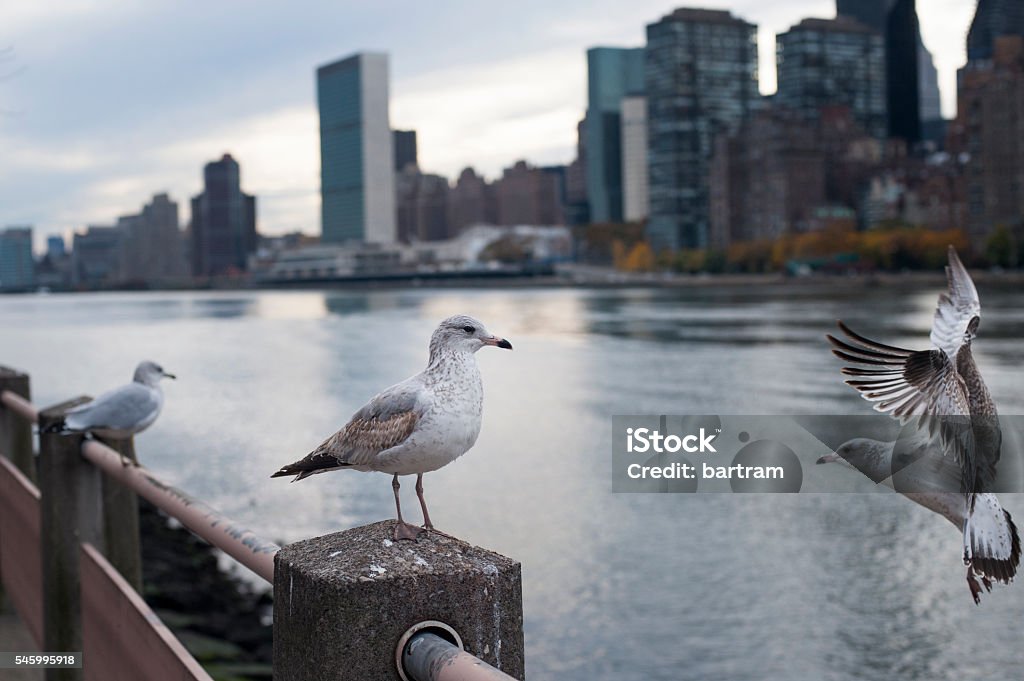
column 238, row 542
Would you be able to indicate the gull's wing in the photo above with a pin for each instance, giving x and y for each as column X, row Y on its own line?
column 909, row 384
column 958, row 310
column 384, row 422
column 127, row 408
column 902, row 383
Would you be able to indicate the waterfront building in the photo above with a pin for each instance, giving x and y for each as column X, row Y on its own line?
column 634, row 158
column 17, row 267
column 223, row 227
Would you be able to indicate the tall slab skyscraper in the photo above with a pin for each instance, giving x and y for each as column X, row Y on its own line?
column 357, row 182
column 612, row 73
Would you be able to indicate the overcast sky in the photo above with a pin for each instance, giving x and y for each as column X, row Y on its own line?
column 106, row 102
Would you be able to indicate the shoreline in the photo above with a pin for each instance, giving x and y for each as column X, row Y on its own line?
column 581, row 277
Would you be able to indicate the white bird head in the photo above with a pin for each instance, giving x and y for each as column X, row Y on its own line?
column 462, row 333
column 150, row 373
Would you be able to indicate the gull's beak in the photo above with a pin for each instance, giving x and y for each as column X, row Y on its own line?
column 498, row 342
column 830, row 458
column 167, row 375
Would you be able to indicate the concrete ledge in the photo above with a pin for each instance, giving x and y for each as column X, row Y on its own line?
column 342, row 601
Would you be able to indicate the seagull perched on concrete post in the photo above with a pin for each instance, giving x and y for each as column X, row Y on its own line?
column 122, row 412
column 957, row 428
column 416, row 426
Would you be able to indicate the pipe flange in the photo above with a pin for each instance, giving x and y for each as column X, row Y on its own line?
column 434, row 627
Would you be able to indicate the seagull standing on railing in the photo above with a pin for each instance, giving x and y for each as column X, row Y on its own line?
column 121, row 412
column 939, row 388
column 416, row 426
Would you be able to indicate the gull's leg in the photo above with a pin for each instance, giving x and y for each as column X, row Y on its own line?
column 975, row 588
column 403, row 530
column 429, row 526
column 423, row 503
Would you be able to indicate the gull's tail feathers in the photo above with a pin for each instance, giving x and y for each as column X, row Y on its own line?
column 305, row 468
column 991, row 542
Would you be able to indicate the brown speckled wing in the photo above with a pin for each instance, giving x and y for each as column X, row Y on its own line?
column 362, row 439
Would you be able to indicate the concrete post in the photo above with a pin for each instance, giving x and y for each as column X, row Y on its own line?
column 121, row 520
column 16, row 432
column 71, row 513
column 343, row 601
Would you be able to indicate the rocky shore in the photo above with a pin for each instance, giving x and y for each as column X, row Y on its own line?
column 223, row 620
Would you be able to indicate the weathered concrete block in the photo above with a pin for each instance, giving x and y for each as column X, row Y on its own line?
column 342, row 601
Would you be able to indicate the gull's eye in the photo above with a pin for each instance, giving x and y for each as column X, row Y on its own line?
column 468, row 329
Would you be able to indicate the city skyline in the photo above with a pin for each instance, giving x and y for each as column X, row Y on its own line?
column 483, row 87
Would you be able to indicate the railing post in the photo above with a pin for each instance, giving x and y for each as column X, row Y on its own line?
column 15, row 436
column 16, row 432
column 342, row 602
column 71, row 514
column 121, row 520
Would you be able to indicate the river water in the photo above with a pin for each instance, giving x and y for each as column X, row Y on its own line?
column 616, row 586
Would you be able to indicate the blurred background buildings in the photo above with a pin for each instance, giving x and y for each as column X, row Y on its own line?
column 678, row 152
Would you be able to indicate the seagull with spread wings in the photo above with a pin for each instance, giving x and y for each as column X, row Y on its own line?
column 941, row 392
column 416, row 426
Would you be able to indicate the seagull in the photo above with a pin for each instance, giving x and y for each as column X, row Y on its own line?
column 954, row 428
column 121, row 412
column 416, row 426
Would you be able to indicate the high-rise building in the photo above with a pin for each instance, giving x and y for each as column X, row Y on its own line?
column 223, row 228
column 823, row 62
column 470, row 202
column 153, row 242
column 405, row 148
column 612, row 73
column 55, row 246
column 993, row 18
column 97, row 257
column 577, row 210
column 634, row 158
column 526, row 195
column 17, row 267
column 766, row 178
column 357, row 178
column 990, row 113
column 700, row 81
column 422, row 206
column 933, row 125
column 897, row 21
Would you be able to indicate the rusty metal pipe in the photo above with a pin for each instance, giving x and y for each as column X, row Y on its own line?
column 236, row 541
column 428, row 657
column 20, row 406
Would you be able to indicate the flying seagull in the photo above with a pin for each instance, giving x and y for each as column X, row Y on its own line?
column 121, row 412
column 416, row 426
column 955, row 426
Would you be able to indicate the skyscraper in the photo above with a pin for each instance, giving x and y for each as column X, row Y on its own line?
column 357, row 180
column 700, row 81
column 223, row 221
column 822, row 62
column 612, row 73
column 896, row 20
column 993, row 18
column 634, row 158
column 991, row 115
column 405, row 148
column 17, row 268
column 153, row 243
